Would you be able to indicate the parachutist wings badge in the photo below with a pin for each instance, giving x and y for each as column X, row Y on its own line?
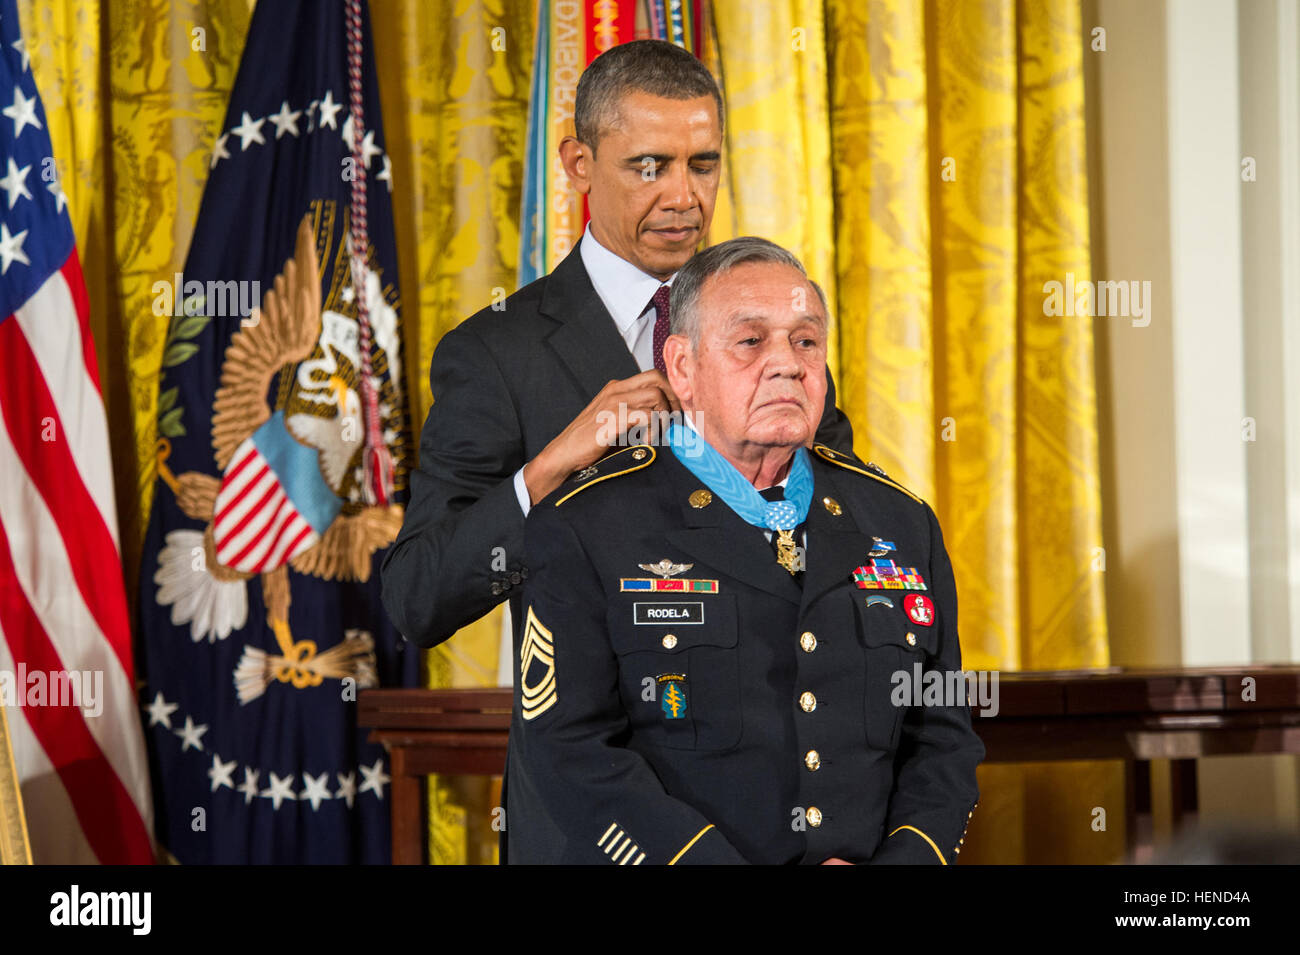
column 666, row 568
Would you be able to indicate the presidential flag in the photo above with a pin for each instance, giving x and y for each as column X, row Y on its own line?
column 281, row 455
column 67, row 679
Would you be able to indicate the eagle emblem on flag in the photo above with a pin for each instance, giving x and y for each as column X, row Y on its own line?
column 290, row 492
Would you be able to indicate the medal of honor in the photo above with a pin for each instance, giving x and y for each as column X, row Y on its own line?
column 779, row 517
column 787, row 554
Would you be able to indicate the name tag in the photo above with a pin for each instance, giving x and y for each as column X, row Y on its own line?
column 676, row 613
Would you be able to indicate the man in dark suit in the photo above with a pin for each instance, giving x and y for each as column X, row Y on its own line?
column 524, row 396
column 721, row 635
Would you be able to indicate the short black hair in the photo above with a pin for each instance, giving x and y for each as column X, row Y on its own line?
column 656, row 67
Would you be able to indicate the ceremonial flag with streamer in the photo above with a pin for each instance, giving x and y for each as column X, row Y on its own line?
column 282, row 461
column 569, row 36
column 67, row 677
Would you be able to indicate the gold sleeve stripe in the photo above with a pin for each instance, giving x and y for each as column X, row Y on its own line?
column 826, row 454
column 605, row 477
column 686, row 848
column 926, row 838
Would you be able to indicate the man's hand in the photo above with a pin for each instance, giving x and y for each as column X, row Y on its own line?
column 835, row 860
column 596, row 429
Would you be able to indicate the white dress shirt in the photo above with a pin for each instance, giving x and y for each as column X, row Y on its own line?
column 627, row 294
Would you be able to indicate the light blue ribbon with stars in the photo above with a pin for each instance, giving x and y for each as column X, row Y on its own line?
column 718, row 474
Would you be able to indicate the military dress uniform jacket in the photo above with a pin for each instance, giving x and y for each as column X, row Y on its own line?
column 505, row 382
column 743, row 717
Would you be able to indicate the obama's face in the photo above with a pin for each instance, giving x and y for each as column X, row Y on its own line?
column 757, row 378
column 651, row 180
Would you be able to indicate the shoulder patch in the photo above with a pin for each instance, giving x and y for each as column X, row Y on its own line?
column 850, row 463
column 622, row 461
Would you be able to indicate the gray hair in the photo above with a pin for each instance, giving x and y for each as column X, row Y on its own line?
column 656, row 67
column 683, row 305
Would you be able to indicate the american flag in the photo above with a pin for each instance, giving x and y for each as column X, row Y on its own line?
column 66, row 675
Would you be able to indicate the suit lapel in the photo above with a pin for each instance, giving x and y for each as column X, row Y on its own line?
column 586, row 340
column 716, row 535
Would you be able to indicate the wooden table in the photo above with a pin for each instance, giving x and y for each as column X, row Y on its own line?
column 1136, row 715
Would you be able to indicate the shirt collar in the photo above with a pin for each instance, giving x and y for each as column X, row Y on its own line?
column 625, row 289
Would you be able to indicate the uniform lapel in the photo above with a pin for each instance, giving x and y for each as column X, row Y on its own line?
column 836, row 543
column 586, row 340
column 716, row 535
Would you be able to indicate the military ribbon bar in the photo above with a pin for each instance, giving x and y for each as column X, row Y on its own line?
column 659, row 585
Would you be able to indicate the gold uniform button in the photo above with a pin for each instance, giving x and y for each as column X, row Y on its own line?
column 911, row 639
column 670, row 641
column 812, row 759
column 808, row 641
column 639, row 454
column 833, row 506
column 807, row 701
column 701, row 498
column 814, row 816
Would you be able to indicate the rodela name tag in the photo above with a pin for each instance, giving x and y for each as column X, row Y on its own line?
column 677, row 612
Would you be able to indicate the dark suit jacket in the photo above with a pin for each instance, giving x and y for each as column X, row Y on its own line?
column 748, row 718
column 505, row 382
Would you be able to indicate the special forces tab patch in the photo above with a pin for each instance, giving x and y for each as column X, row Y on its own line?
column 536, row 669
column 672, row 695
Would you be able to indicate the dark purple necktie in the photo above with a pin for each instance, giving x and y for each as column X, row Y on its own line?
column 660, row 302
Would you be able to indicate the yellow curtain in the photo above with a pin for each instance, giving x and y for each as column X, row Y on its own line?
column 776, row 181
column 958, row 145
column 925, row 158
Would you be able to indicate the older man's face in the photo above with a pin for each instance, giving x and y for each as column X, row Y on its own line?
column 758, row 377
column 651, row 184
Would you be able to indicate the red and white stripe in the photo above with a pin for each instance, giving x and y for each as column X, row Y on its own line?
column 256, row 527
column 85, row 779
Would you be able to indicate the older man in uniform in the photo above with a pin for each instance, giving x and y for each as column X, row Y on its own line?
column 522, row 395
column 714, row 628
